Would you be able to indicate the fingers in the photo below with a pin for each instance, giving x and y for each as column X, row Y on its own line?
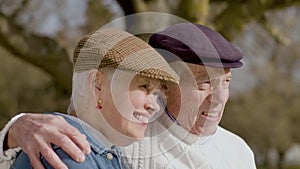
column 76, row 137
column 51, row 157
column 82, row 143
column 70, row 148
column 40, row 147
column 35, row 133
column 67, row 137
column 35, row 160
column 70, row 140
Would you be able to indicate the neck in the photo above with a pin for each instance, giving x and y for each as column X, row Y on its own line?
column 117, row 138
column 98, row 122
column 202, row 132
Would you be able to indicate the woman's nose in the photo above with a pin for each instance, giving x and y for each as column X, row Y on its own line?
column 152, row 105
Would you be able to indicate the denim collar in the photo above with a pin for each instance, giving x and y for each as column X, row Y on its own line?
column 97, row 140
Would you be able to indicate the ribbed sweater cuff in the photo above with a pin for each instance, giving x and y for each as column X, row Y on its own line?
column 10, row 153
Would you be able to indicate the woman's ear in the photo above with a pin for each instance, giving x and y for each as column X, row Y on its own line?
column 95, row 81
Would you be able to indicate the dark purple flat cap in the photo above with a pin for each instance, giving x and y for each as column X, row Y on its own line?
column 194, row 43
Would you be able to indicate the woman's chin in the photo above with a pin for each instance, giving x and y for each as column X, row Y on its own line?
column 137, row 135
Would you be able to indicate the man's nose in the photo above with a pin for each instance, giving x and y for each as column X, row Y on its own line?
column 218, row 94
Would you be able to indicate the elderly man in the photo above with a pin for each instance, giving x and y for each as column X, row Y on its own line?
column 188, row 128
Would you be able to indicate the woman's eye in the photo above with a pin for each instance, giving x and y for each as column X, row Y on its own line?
column 144, row 86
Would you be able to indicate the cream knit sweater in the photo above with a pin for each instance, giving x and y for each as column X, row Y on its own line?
column 177, row 149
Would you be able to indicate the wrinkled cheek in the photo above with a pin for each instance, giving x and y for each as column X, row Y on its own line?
column 227, row 96
column 120, row 99
column 189, row 114
column 199, row 124
column 194, row 101
column 135, row 100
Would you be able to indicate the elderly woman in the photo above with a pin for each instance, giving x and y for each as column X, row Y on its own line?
column 116, row 82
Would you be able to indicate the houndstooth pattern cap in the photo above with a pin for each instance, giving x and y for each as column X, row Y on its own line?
column 121, row 50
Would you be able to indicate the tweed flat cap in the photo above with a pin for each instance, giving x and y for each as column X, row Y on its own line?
column 198, row 44
column 121, row 50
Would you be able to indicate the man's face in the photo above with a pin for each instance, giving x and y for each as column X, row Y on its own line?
column 198, row 104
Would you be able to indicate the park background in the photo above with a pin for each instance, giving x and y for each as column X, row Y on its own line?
column 37, row 38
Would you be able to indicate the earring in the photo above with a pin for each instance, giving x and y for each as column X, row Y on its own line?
column 99, row 104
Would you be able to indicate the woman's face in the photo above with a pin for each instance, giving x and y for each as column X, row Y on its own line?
column 129, row 102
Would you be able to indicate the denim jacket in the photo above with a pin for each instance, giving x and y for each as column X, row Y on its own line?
column 101, row 157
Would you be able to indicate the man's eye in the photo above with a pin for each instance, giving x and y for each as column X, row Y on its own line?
column 205, row 82
column 204, row 85
column 227, row 81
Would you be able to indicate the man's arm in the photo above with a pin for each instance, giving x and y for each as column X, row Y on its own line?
column 35, row 133
column 11, row 153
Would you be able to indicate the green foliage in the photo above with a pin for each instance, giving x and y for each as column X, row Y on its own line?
column 25, row 88
column 288, row 167
column 292, row 167
column 194, row 11
column 98, row 15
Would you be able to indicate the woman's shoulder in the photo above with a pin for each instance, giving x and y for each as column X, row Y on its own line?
column 95, row 160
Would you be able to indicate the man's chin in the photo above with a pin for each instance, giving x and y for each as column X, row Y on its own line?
column 197, row 130
column 203, row 130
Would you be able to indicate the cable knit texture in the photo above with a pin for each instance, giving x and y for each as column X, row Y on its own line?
column 170, row 146
column 177, row 149
column 10, row 153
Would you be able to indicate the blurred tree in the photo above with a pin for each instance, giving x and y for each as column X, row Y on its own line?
column 23, row 36
column 229, row 17
column 46, row 52
column 268, row 115
column 263, row 114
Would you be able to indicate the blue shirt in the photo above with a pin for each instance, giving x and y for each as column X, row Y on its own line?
column 101, row 157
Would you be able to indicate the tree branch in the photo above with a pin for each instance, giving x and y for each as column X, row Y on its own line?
column 42, row 52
